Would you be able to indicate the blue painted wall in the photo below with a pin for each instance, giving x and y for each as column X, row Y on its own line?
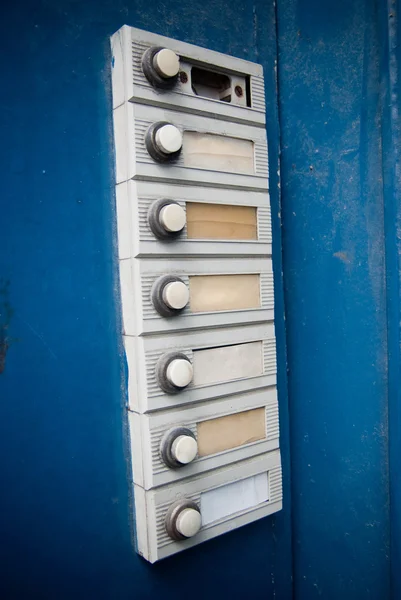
column 390, row 58
column 65, row 506
column 65, row 519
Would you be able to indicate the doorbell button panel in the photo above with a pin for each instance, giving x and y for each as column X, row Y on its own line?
column 196, row 279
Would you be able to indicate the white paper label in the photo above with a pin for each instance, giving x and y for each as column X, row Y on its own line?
column 233, row 498
column 227, row 363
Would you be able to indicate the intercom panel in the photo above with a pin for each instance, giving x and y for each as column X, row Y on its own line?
column 196, row 278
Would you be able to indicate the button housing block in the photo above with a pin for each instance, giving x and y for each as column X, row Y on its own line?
column 131, row 85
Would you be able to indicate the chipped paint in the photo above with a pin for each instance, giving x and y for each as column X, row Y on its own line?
column 6, row 313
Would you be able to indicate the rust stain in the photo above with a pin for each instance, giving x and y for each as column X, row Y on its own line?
column 342, row 256
column 6, row 313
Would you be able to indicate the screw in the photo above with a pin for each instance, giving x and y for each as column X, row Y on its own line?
column 183, row 77
column 238, row 90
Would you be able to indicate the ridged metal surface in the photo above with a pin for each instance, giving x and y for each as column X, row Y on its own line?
column 264, row 224
column 269, row 357
column 258, row 94
column 267, row 290
column 275, row 484
column 138, row 50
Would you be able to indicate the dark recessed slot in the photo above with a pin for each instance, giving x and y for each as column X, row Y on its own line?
column 211, row 85
column 248, row 91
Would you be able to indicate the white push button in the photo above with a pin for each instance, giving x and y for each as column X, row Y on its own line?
column 172, row 218
column 184, row 449
column 168, row 139
column 176, row 295
column 166, row 63
column 180, row 372
column 178, row 447
column 188, row 522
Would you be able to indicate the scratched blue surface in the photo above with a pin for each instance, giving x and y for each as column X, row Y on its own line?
column 330, row 75
column 390, row 56
column 65, row 506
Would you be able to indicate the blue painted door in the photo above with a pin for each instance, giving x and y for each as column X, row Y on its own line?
column 66, row 510
column 331, row 75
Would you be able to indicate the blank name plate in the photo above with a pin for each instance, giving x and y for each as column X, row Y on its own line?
column 226, row 361
column 218, row 153
column 219, row 221
column 230, row 499
column 211, row 293
column 242, row 154
column 223, row 502
column 130, row 84
column 222, row 292
column 220, row 434
column 227, row 431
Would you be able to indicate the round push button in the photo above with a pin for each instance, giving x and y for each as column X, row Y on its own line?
column 168, row 139
column 178, row 447
column 176, row 295
column 166, row 63
column 188, row 522
column 174, row 371
column 160, row 67
column 173, row 218
column 183, row 520
column 170, row 295
column 163, row 141
column 166, row 219
column 184, row 449
column 180, row 372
